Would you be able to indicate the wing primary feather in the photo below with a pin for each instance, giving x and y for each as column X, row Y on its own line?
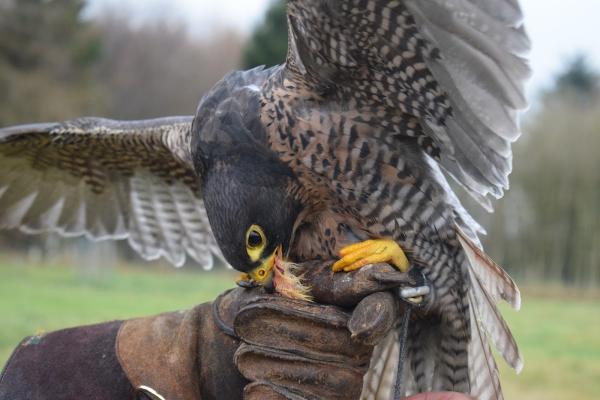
column 489, row 284
column 456, row 66
column 107, row 179
column 493, row 278
column 483, row 371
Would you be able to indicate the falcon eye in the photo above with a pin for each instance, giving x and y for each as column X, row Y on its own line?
column 261, row 273
column 256, row 241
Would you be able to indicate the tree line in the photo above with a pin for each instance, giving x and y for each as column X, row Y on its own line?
column 55, row 64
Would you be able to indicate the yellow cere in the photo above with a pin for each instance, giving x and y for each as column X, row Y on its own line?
column 263, row 273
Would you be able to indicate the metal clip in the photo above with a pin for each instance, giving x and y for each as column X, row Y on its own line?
column 153, row 394
column 415, row 294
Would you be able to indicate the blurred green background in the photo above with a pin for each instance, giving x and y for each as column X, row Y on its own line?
column 59, row 61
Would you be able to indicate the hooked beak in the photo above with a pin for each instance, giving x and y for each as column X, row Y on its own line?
column 246, row 282
column 263, row 274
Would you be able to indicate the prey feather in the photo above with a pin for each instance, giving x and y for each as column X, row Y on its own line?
column 288, row 282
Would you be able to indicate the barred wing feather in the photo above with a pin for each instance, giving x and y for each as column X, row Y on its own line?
column 456, row 65
column 107, row 179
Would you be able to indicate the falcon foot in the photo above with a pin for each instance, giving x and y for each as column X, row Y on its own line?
column 373, row 251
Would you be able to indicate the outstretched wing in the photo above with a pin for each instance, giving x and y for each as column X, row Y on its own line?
column 107, row 179
column 455, row 65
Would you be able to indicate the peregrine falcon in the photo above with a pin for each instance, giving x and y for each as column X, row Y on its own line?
column 340, row 153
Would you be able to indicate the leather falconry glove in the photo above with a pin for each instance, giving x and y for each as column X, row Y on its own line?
column 298, row 350
column 295, row 350
column 287, row 349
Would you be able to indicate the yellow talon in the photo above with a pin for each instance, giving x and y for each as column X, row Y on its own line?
column 368, row 252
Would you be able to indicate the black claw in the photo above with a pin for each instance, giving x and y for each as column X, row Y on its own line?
column 249, row 284
column 270, row 287
column 418, row 276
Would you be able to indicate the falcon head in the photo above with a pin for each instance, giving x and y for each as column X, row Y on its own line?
column 252, row 212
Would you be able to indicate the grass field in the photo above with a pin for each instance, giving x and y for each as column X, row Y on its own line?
column 559, row 334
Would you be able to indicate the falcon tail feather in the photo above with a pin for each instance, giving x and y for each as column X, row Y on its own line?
column 496, row 282
column 489, row 284
column 488, row 315
column 483, row 371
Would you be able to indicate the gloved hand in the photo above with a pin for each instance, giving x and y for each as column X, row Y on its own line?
column 287, row 349
column 298, row 350
column 293, row 349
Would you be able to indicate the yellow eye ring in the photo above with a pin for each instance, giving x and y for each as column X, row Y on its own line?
column 255, row 237
column 261, row 273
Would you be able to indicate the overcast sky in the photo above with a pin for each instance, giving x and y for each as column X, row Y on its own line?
column 558, row 28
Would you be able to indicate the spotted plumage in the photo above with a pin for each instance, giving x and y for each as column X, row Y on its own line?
column 351, row 139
